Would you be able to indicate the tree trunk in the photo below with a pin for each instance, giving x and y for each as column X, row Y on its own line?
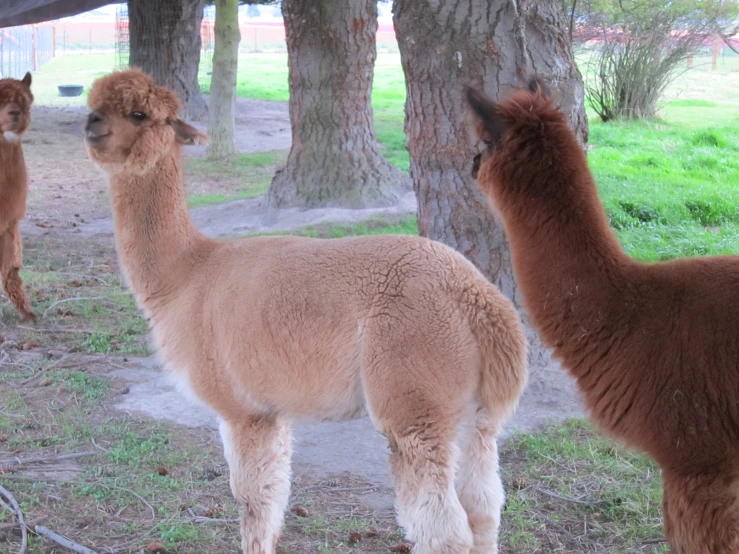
column 489, row 44
column 223, row 80
column 335, row 158
column 165, row 42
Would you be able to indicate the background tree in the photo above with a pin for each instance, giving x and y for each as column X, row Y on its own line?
column 223, row 80
column 493, row 45
column 165, row 42
column 334, row 158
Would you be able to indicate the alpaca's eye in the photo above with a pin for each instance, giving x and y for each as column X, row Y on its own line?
column 138, row 116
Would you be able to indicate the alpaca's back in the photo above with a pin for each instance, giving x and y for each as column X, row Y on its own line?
column 319, row 311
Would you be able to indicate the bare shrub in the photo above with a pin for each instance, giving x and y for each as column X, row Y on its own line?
column 637, row 47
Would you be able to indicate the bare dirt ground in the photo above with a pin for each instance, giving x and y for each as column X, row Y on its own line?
column 82, row 379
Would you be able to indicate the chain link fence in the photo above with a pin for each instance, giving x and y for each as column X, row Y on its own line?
column 25, row 48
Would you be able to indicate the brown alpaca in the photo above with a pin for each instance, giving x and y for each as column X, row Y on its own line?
column 15, row 116
column 270, row 329
column 654, row 347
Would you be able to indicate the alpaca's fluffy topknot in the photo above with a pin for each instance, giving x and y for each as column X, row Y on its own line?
column 133, row 90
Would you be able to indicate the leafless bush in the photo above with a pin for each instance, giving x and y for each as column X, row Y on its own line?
column 637, row 47
column 628, row 75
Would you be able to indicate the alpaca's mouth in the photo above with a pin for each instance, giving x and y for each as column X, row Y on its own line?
column 92, row 138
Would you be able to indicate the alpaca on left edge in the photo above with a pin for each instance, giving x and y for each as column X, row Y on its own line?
column 15, row 116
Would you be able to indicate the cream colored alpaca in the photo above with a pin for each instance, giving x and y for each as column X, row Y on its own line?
column 270, row 329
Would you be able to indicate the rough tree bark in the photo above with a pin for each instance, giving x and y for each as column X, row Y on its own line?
column 165, row 42
column 493, row 45
column 223, row 81
column 335, row 158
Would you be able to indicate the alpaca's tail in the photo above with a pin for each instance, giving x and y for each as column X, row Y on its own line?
column 502, row 341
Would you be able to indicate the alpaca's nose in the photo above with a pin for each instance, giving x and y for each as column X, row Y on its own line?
column 94, row 117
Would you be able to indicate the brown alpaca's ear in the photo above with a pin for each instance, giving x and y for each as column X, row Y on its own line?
column 536, row 85
column 186, row 133
column 492, row 127
column 27, row 80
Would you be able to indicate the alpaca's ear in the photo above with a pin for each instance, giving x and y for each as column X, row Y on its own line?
column 27, row 80
column 492, row 127
column 186, row 133
column 536, row 85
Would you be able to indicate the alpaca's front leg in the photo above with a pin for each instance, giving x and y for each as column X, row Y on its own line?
column 11, row 256
column 258, row 450
column 701, row 513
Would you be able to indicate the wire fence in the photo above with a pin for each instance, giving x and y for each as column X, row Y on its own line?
column 25, row 48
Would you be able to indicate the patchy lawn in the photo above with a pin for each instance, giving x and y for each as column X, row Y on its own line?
column 140, row 482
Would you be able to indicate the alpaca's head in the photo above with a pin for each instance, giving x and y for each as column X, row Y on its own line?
column 133, row 122
column 15, row 108
column 518, row 135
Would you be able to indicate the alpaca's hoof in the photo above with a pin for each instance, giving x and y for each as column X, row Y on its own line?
column 27, row 316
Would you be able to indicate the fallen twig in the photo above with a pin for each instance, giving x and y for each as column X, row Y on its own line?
column 656, row 540
column 42, row 372
column 75, row 299
column 29, row 525
column 96, row 445
column 129, row 491
column 62, row 541
column 349, row 489
column 199, row 519
column 19, row 514
column 41, row 460
column 57, row 330
column 101, row 280
column 10, row 415
column 573, row 500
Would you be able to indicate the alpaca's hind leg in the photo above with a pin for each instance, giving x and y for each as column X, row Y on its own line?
column 423, row 458
column 701, row 513
column 258, row 451
column 11, row 255
column 479, row 486
column 422, row 463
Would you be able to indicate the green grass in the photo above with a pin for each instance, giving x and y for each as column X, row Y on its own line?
column 619, row 493
column 373, row 226
column 667, row 187
column 245, row 176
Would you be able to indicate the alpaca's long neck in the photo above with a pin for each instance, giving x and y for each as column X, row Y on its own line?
column 13, row 181
column 156, row 240
column 568, row 263
column 11, row 158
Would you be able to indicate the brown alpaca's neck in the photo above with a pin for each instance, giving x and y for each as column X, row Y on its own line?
column 156, row 240
column 13, row 183
column 11, row 158
column 568, row 263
